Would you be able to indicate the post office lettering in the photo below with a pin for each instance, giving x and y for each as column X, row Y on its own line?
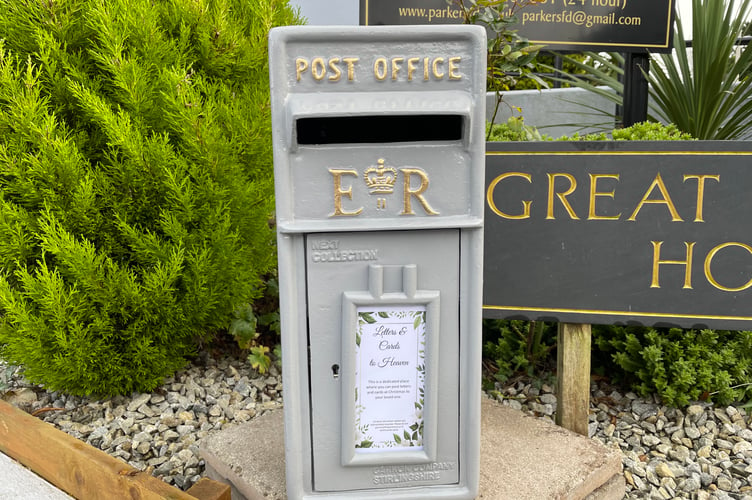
column 407, row 68
column 330, row 69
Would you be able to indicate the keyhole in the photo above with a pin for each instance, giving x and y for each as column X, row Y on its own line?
column 335, row 371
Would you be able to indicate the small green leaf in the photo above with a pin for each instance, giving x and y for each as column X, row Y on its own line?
column 259, row 359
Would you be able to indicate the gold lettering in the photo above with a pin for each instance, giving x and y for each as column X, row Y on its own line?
column 318, row 68
column 686, row 263
column 709, row 259
column 396, row 66
column 594, row 193
column 562, row 196
column 301, row 65
column 411, row 67
column 339, row 192
column 525, row 203
column 666, row 200
column 380, row 68
column 435, row 68
column 418, row 193
column 454, row 64
column 425, row 68
column 334, row 66
column 350, row 61
column 701, row 192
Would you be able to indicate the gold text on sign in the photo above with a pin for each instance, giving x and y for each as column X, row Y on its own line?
column 561, row 187
column 688, row 260
column 394, row 68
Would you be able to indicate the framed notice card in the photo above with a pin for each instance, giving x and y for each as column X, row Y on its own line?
column 390, row 377
column 388, row 393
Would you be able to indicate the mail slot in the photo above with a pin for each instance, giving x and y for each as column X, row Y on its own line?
column 379, row 172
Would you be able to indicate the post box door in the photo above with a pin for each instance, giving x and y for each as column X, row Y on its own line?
column 383, row 336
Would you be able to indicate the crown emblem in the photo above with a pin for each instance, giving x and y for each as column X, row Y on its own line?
column 381, row 179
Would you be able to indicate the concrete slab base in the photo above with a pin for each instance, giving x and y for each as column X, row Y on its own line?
column 521, row 458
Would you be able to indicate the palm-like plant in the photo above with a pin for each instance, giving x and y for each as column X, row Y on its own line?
column 712, row 97
column 706, row 92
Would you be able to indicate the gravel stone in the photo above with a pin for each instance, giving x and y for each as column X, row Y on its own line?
column 651, row 440
column 724, row 483
column 548, row 399
column 741, row 447
column 702, row 451
column 691, row 484
column 724, row 444
column 138, row 401
column 160, row 430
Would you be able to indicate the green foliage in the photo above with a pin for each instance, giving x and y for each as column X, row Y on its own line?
column 243, row 326
column 643, row 131
column 511, row 58
column 706, row 92
column 516, row 130
column 544, row 63
column 679, row 365
column 513, row 130
column 518, row 346
column 650, row 131
column 259, row 358
column 135, row 183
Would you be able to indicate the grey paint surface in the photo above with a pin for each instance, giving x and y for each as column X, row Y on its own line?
column 435, row 254
column 413, row 203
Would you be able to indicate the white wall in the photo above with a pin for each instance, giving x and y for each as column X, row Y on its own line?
column 329, row 12
column 555, row 112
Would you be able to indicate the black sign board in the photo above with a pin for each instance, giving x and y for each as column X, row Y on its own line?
column 613, row 25
column 650, row 233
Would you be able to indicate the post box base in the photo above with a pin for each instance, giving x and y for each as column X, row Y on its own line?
column 250, row 457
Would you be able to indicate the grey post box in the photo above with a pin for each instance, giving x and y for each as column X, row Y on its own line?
column 379, row 165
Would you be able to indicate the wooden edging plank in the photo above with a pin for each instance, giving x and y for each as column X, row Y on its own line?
column 208, row 489
column 79, row 469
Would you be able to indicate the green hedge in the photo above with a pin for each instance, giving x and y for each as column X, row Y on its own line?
column 135, row 183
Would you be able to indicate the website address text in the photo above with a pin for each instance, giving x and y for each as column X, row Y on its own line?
column 447, row 12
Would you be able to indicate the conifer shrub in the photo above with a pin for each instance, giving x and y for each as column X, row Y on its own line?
column 679, row 365
column 136, row 183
